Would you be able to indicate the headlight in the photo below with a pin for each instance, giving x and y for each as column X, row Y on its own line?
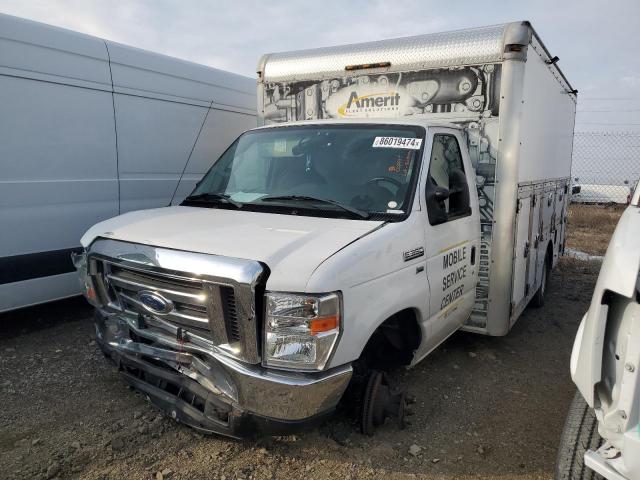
column 86, row 284
column 300, row 331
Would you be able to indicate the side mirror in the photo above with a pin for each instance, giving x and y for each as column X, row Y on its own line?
column 438, row 194
column 435, row 204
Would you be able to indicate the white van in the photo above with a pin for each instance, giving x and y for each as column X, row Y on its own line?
column 400, row 191
column 91, row 129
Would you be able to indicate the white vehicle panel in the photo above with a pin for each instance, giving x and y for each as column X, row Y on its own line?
column 291, row 246
column 38, row 290
column 547, row 122
column 370, row 273
column 139, row 72
column 52, row 189
column 453, row 252
column 32, row 50
column 443, row 49
column 150, row 170
column 619, row 274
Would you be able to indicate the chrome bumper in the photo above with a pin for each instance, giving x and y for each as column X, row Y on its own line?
column 212, row 392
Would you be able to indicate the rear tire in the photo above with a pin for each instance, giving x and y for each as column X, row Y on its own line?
column 580, row 434
column 538, row 299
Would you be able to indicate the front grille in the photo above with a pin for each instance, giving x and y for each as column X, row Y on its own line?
column 201, row 308
column 207, row 300
column 230, row 313
column 189, row 308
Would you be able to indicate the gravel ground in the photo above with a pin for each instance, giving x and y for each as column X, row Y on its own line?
column 486, row 407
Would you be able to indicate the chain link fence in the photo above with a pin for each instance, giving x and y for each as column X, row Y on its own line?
column 606, row 166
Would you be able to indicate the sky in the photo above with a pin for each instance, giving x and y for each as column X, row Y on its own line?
column 597, row 41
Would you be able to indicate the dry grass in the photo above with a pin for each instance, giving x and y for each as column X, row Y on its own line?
column 591, row 226
column 571, row 266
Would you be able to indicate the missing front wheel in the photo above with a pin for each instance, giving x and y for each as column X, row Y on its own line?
column 382, row 399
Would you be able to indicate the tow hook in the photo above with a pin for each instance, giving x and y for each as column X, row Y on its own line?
column 382, row 399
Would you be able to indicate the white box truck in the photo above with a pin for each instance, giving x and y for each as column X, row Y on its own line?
column 399, row 191
column 89, row 129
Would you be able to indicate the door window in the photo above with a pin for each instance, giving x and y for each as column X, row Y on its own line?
column 447, row 191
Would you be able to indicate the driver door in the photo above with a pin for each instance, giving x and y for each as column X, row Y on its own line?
column 452, row 234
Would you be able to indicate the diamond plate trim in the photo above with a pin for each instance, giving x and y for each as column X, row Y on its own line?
column 462, row 47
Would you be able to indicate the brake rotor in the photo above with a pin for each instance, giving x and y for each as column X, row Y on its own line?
column 381, row 400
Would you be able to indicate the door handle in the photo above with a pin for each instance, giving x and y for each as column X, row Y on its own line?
column 473, row 255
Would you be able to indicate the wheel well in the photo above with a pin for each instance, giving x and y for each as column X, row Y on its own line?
column 392, row 344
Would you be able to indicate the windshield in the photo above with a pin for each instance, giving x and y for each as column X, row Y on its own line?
column 347, row 170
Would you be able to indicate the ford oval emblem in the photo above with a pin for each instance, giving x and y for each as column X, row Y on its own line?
column 154, row 302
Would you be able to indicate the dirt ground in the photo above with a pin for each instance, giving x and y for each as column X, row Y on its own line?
column 486, row 408
column 591, row 227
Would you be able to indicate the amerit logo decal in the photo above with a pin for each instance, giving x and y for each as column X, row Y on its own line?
column 369, row 101
column 373, row 102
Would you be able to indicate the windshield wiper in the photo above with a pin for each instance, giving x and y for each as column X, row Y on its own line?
column 307, row 198
column 212, row 197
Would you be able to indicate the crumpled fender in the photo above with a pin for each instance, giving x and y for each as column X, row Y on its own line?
column 619, row 274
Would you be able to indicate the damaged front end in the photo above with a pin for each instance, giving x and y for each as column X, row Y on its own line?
column 182, row 327
column 606, row 354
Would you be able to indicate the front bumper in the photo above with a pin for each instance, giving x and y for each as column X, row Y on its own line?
column 212, row 392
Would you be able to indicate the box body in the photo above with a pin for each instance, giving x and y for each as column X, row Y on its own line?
column 517, row 109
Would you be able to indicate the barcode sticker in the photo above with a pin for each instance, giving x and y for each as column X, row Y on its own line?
column 398, row 142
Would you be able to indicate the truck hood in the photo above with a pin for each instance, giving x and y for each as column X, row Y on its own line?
column 291, row 246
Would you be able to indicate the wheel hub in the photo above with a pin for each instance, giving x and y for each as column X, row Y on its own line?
column 382, row 399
